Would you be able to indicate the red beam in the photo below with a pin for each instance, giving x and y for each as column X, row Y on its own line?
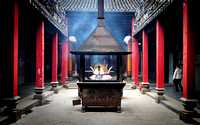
column 55, row 58
column 159, row 56
column 188, row 55
column 145, row 56
column 40, row 56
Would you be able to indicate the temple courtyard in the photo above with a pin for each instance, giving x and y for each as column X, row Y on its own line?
column 137, row 109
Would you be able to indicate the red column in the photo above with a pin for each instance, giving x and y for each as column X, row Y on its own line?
column 67, row 51
column 133, row 60
column 188, row 56
column 9, row 62
column 9, row 53
column 189, row 102
column 145, row 56
column 55, row 58
column 159, row 61
column 67, row 60
column 54, row 82
column 145, row 84
column 64, row 66
column 15, row 51
column 136, row 63
column 39, row 85
column 133, row 50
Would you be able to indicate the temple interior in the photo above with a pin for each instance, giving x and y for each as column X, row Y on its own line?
column 89, row 61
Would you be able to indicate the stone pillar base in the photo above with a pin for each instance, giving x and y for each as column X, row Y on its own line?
column 145, row 87
column 12, row 110
column 188, row 113
column 38, row 93
column 54, row 87
column 159, row 95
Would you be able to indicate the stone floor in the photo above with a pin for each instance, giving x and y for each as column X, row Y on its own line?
column 28, row 89
column 171, row 92
column 137, row 109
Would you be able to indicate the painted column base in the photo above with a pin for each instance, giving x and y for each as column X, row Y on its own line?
column 54, row 87
column 145, row 87
column 12, row 110
column 188, row 113
column 159, row 95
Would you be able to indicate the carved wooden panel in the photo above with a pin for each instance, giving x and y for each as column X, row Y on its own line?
column 101, row 96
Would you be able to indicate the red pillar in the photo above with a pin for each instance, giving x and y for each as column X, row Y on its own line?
column 9, row 54
column 188, row 56
column 136, row 63
column 54, row 82
column 145, row 56
column 64, row 66
column 159, row 61
column 39, row 85
column 134, row 76
column 9, row 62
column 189, row 102
column 15, row 51
column 67, row 61
column 133, row 60
column 67, row 51
column 133, row 50
column 145, row 84
column 55, row 58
